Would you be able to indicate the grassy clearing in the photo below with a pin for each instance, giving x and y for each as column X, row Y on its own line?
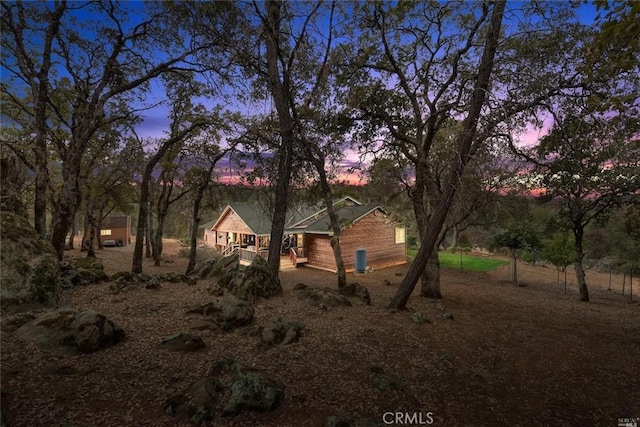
column 468, row 262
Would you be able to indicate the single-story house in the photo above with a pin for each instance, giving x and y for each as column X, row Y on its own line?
column 206, row 234
column 366, row 232
column 116, row 228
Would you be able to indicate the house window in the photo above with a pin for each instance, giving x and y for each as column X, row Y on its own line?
column 400, row 235
column 105, row 232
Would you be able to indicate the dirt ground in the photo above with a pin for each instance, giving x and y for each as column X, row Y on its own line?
column 511, row 355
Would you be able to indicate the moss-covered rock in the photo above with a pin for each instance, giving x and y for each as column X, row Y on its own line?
column 89, row 270
column 29, row 265
column 67, row 330
column 256, row 281
column 225, row 270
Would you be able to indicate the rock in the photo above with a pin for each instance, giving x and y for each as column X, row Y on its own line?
column 386, row 282
column 227, row 389
column 89, row 270
column 197, row 403
column 280, row 332
column 227, row 311
column 12, row 323
column 356, row 290
column 384, row 381
column 447, row 316
column 152, row 283
column 215, row 290
column 225, row 270
column 256, row 281
column 251, row 390
column 418, row 317
column 29, row 265
column 323, row 297
column 182, row 342
column 69, row 330
column 93, row 331
column 205, row 269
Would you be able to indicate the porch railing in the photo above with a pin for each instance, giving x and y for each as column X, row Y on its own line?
column 296, row 253
column 250, row 255
column 230, row 249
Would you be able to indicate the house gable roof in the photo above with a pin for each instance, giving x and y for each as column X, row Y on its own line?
column 307, row 218
column 251, row 215
column 347, row 215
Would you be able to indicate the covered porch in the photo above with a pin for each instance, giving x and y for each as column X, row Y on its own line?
column 246, row 245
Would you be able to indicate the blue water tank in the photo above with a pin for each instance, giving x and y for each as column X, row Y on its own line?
column 361, row 260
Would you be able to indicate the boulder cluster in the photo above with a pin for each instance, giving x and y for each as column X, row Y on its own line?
column 33, row 279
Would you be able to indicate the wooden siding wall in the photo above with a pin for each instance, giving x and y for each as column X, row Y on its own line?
column 232, row 223
column 372, row 233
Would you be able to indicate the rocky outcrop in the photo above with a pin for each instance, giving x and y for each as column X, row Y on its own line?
column 227, row 312
column 256, row 281
column 281, row 333
column 29, row 265
column 205, row 269
column 225, row 270
column 70, row 330
column 322, row 297
column 228, row 388
column 197, row 403
column 356, row 290
column 275, row 333
column 251, row 389
column 81, row 272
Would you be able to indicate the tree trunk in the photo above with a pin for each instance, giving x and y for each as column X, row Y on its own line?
column 195, row 214
column 85, row 233
column 157, row 242
column 193, row 237
column 41, row 178
column 141, row 227
column 335, row 223
column 454, row 238
column 431, row 278
column 72, row 236
column 147, row 235
column 280, row 93
column 580, row 276
column 91, row 253
column 91, row 219
column 465, row 139
column 69, row 198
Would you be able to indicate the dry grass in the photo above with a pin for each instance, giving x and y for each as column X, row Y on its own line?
column 518, row 356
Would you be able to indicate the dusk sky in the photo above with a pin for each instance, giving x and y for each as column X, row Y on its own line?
column 155, row 122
